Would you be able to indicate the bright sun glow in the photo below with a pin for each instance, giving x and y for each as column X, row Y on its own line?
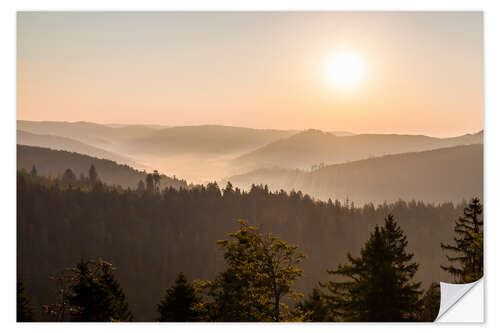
column 345, row 70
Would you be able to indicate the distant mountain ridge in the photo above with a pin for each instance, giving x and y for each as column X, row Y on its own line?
column 67, row 144
column 306, row 148
column 159, row 140
column 440, row 175
column 53, row 163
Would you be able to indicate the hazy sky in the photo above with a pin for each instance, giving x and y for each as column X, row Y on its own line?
column 422, row 72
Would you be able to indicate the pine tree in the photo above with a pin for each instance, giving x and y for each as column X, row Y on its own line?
column 93, row 177
column 34, row 172
column 150, row 185
column 260, row 274
column 179, row 302
column 156, row 180
column 24, row 310
column 140, row 186
column 95, row 295
column 431, row 303
column 379, row 286
column 69, row 176
column 468, row 248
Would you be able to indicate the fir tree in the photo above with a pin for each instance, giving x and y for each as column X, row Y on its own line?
column 34, row 172
column 141, row 187
column 95, row 295
column 69, row 176
column 93, row 177
column 24, row 310
column 179, row 302
column 468, row 248
column 379, row 286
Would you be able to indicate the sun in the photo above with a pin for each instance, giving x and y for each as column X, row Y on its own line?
column 344, row 70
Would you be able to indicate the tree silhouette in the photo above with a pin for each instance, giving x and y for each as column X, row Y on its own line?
column 34, row 172
column 69, row 177
column 93, row 177
column 379, row 286
column 156, row 180
column 90, row 292
column 179, row 302
column 141, row 187
column 150, row 184
column 468, row 248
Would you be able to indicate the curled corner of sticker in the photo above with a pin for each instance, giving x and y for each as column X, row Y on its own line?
column 451, row 295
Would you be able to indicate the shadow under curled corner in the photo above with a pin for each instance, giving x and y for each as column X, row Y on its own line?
column 462, row 302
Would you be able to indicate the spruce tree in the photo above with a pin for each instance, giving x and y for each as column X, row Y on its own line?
column 34, row 172
column 179, row 302
column 95, row 295
column 379, row 286
column 93, row 177
column 468, row 247
column 24, row 310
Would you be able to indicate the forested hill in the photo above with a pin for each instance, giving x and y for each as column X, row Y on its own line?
column 441, row 175
column 53, row 163
column 152, row 237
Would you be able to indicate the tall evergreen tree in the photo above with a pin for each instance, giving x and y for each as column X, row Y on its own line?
column 93, row 177
column 141, row 187
column 95, row 295
column 34, row 172
column 24, row 310
column 69, row 176
column 468, row 247
column 379, row 286
column 179, row 302
column 156, row 180
column 150, row 184
column 261, row 271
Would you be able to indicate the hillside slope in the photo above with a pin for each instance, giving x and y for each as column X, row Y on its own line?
column 67, row 144
column 447, row 174
column 311, row 147
column 53, row 163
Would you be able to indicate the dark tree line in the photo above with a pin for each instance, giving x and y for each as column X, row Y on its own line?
column 151, row 236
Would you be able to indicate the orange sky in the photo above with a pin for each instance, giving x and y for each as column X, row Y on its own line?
column 423, row 72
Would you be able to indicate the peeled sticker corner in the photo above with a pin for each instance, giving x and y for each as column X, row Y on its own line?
column 455, row 302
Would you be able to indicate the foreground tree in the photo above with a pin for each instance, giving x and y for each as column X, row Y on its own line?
column 379, row 286
column 430, row 303
column 179, row 302
column 468, row 247
column 90, row 293
column 24, row 310
column 260, row 273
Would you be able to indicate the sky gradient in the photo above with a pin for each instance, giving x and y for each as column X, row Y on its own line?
column 423, row 71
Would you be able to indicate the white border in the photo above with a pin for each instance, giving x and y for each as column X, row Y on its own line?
column 7, row 89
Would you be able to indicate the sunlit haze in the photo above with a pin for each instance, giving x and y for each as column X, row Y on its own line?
column 415, row 73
